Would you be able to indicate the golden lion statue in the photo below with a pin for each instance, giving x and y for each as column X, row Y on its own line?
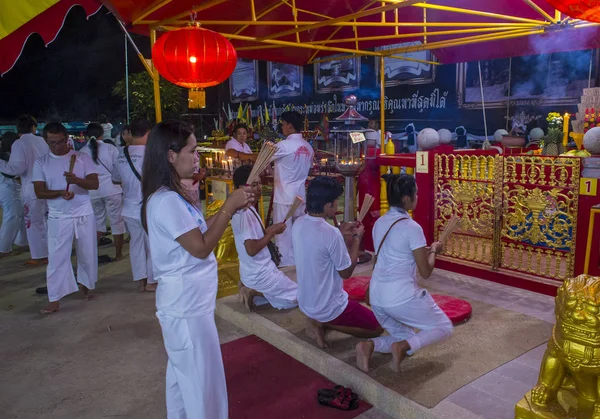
column 569, row 385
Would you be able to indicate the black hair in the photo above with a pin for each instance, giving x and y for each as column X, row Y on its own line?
column 399, row 186
column 93, row 132
column 238, row 126
column 293, row 118
column 322, row 190
column 8, row 138
column 140, row 127
column 124, row 128
column 54, row 128
column 25, row 123
column 103, row 119
column 241, row 175
column 157, row 171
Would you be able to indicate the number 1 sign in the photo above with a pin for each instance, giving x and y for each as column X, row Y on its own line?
column 422, row 162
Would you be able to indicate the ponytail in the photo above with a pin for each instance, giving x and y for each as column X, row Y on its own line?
column 94, row 131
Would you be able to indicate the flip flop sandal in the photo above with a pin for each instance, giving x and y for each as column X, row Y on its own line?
column 104, row 241
column 333, row 392
column 105, row 259
column 341, row 402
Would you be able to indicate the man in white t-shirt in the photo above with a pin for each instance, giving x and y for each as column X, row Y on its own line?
column 24, row 153
column 323, row 261
column 258, row 272
column 70, row 215
column 293, row 161
column 128, row 173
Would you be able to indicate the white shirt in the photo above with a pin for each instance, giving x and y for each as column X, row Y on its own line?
column 132, row 187
column 394, row 279
column 237, row 146
column 50, row 169
column 187, row 286
column 246, row 226
column 320, row 252
column 23, row 155
column 107, row 161
column 293, row 161
column 107, row 130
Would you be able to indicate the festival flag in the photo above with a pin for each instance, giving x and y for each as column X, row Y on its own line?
column 325, row 126
column 230, row 114
column 249, row 116
column 266, row 113
column 240, row 115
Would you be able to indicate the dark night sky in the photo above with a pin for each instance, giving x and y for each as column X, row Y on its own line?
column 73, row 77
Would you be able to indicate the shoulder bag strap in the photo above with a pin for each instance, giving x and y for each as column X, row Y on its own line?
column 259, row 220
column 128, row 157
column 384, row 237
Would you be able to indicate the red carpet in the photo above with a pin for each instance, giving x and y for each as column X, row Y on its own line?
column 457, row 310
column 264, row 382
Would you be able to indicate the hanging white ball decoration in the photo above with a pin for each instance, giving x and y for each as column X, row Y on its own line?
column 536, row 134
column 591, row 141
column 428, row 139
column 498, row 134
column 445, row 136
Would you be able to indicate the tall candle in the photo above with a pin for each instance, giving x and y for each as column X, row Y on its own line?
column 566, row 129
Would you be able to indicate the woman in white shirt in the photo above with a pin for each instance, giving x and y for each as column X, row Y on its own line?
column 107, row 200
column 182, row 244
column 397, row 301
column 236, row 148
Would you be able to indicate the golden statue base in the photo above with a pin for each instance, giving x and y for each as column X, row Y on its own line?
column 229, row 276
column 566, row 406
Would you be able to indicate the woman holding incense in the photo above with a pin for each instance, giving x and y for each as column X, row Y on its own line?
column 399, row 304
column 237, row 148
column 182, row 244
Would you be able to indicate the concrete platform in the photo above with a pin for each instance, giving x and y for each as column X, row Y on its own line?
column 492, row 395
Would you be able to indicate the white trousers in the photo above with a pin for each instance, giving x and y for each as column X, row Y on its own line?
column 284, row 240
column 279, row 290
column 139, row 251
column 59, row 274
column 195, row 384
column 109, row 206
column 12, row 229
column 420, row 312
column 37, row 230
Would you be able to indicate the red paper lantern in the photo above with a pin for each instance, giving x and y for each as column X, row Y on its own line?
column 194, row 57
column 578, row 9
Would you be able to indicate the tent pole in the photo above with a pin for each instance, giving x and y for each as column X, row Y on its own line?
column 127, row 78
column 382, row 102
column 156, row 82
column 482, row 99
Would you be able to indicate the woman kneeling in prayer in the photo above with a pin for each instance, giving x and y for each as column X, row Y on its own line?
column 182, row 244
column 397, row 301
column 258, row 273
column 322, row 260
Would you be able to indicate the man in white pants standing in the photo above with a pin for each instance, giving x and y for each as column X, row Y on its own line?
column 70, row 215
column 293, row 161
column 24, row 153
column 128, row 173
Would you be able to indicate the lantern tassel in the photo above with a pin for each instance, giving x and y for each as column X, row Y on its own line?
column 197, row 99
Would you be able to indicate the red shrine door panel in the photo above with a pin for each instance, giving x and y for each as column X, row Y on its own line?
column 517, row 213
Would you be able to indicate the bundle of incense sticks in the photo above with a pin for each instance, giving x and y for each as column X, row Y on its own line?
column 263, row 160
column 449, row 229
column 297, row 202
column 366, row 205
column 71, row 166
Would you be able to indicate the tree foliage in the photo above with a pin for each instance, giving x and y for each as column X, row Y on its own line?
column 141, row 97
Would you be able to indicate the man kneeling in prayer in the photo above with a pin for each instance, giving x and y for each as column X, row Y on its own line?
column 322, row 260
column 259, row 274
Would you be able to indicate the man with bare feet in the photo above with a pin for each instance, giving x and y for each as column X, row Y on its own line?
column 322, row 260
column 128, row 173
column 64, row 177
column 259, row 274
